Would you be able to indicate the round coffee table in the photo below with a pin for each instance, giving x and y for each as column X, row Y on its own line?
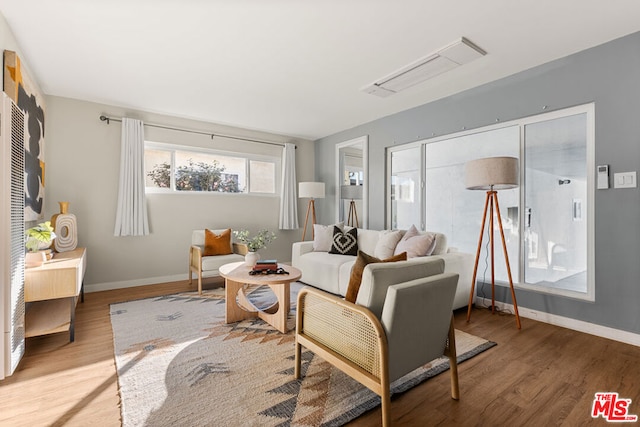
column 236, row 276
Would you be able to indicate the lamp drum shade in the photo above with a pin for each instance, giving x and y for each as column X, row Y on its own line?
column 351, row 192
column 492, row 173
column 313, row 190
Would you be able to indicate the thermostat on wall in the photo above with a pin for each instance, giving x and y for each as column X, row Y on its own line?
column 603, row 177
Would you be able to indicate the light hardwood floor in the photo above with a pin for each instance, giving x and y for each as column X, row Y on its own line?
column 541, row 375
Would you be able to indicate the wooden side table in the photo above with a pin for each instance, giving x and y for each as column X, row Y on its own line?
column 52, row 291
column 237, row 275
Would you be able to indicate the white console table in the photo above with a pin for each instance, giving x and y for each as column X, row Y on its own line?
column 52, row 291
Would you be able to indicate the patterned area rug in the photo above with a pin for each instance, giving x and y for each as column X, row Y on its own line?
column 179, row 364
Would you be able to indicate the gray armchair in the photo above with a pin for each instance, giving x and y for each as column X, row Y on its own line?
column 415, row 327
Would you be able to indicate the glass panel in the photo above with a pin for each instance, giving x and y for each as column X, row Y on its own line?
column 157, row 168
column 456, row 212
column 262, row 177
column 555, row 229
column 207, row 172
column 352, row 174
column 405, row 189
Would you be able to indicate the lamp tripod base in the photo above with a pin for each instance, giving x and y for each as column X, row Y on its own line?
column 311, row 209
column 353, row 215
column 491, row 202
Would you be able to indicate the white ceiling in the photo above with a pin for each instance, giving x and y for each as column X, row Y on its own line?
column 292, row 67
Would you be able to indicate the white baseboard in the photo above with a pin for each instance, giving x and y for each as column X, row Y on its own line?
column 109, row 286
column 567, row 322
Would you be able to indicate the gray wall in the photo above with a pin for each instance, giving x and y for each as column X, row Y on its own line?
column 608, row 75
column 82, row 164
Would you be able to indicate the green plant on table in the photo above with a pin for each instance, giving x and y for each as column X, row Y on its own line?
column 40, row 234
column 259, row 241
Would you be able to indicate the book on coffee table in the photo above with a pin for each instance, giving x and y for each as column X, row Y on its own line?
column 267, row 264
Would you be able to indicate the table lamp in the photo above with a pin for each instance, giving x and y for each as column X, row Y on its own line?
column 310, row 190
column 492, row 174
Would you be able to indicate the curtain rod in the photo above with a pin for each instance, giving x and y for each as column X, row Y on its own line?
column 109, row 119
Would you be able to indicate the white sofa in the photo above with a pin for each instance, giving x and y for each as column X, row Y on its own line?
column 331, row 272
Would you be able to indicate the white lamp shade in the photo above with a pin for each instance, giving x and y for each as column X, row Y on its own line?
column 351, row 192
column 313, row 190
column 492, row 173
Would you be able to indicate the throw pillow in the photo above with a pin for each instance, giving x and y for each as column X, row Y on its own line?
column 387, row 243
column 416, row 244
column 356, row 272
column 323, row 236
column 217, row 244
column 344, row 243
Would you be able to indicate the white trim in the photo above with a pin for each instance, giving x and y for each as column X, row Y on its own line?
column 569, row 323
column 109, row 286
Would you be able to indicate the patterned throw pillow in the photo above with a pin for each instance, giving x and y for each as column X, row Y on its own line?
column 344, row 243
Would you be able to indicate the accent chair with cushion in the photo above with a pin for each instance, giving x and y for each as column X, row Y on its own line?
column 393, row 330
column 210, row 250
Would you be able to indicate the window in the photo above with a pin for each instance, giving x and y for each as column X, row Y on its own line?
column 456, row 211
column 170, row 168
column 406, row 194
column 548, row 220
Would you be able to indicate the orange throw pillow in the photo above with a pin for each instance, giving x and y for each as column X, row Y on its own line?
column 217, row 244
column 356, row 272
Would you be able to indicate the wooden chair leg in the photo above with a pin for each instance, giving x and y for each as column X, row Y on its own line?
column 199, row 282
column 386, row 405
column 298, row 361
column 453, row 362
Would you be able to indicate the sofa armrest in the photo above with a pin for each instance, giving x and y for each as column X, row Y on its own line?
column 462, row 264
column 298, row 249
column 377, row 277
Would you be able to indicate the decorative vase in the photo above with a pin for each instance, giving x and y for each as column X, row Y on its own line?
column 65, row 226
column 251, row 258
column 34, row 259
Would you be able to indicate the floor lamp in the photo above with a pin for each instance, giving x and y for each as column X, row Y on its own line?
column 492, row 174
column 310, row 190
column 352, row 192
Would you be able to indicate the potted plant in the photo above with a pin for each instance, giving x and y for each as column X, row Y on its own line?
column 259, row 241
column 38, row 238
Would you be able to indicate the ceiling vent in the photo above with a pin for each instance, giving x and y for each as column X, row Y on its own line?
column 447, row 58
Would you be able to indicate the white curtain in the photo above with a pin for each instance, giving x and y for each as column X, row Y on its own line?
column 131, row 214
column 288, row 196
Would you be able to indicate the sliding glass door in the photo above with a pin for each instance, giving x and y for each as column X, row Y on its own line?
column 548, row 220
column 556, row 196
column 457, row 212
column 406, row 193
